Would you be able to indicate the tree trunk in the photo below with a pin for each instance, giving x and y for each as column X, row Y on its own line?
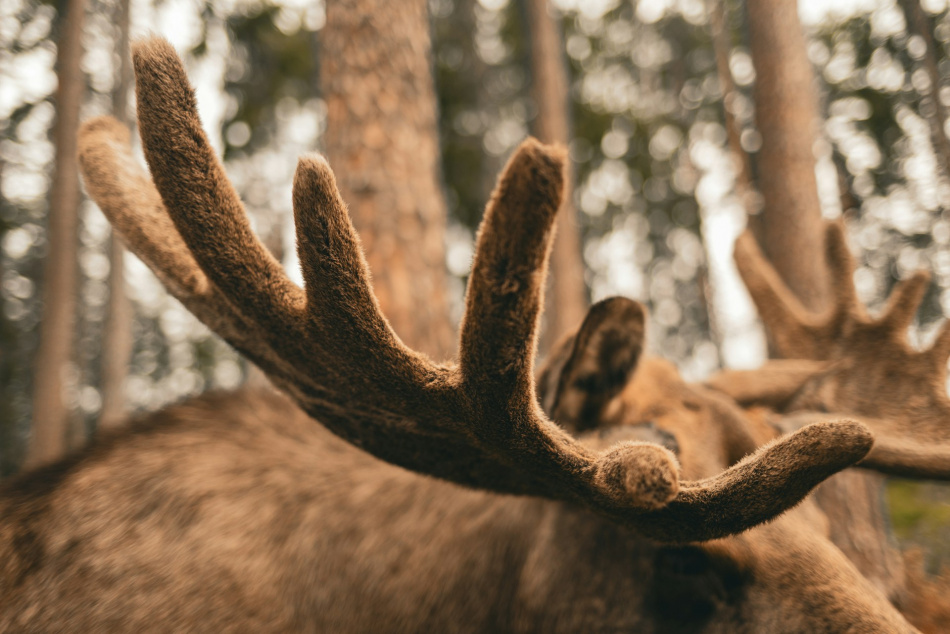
column 786, row 106
column 50, row 415
column 9, row 447
column 786, row 113
column 117, row 335
column 567, row 299
column 936, row 114
column 382, row 140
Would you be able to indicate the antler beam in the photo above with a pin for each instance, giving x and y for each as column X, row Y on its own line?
column 331, row 349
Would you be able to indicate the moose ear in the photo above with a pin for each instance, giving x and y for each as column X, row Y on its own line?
column 588, row 369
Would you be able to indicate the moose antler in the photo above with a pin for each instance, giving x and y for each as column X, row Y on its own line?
column 476, row 423
column 845, row 361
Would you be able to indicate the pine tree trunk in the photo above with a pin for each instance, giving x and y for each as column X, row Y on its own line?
column 117, row 335
column 786, row 106
column 9, row 447
column 786, row 113
column 567, row 296
column 50, row 414
column 382, row 140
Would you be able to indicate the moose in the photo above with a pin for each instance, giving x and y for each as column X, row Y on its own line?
column 378, row 490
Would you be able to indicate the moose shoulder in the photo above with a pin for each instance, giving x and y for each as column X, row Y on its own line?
column 429, row 497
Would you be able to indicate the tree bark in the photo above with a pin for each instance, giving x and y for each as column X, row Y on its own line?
column 9, row 447
column 567, row 297
column 937, row 117
column 50, row 414
column 117, row 335
column 786, row 114
column 382, row 140
column 786, row 105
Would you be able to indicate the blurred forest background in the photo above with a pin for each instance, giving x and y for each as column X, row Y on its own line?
column 658, row 101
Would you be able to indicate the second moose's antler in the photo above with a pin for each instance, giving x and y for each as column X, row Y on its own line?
column 476, row 423
column 845, row 360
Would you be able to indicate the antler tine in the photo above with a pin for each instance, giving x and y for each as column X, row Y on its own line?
column 128, row 198
column 198, row 195
column 504, row 298
column 341, row 306
column 772, row 384
column 841, row 269
column 940, row 349
column 756, row 489
column 904, row 301
column 899, row 456
column 784, row 316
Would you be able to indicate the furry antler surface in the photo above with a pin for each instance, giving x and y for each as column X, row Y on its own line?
column 477, row 423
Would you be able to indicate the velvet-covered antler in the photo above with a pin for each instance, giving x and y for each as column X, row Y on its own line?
column 477, row 423
column 845, row 361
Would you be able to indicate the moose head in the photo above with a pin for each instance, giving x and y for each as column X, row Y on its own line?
column 477, row 422
column 598, row 386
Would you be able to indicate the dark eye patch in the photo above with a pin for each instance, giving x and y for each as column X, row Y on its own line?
column 667, row 439
column 689, row 586
column 645, row 432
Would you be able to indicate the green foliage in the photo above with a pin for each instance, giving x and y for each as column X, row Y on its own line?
column 920, row 514
column 265, row 66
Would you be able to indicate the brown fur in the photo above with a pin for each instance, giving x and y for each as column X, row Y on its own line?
column 240, row 513
column 928, row 597
column 235, row 512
